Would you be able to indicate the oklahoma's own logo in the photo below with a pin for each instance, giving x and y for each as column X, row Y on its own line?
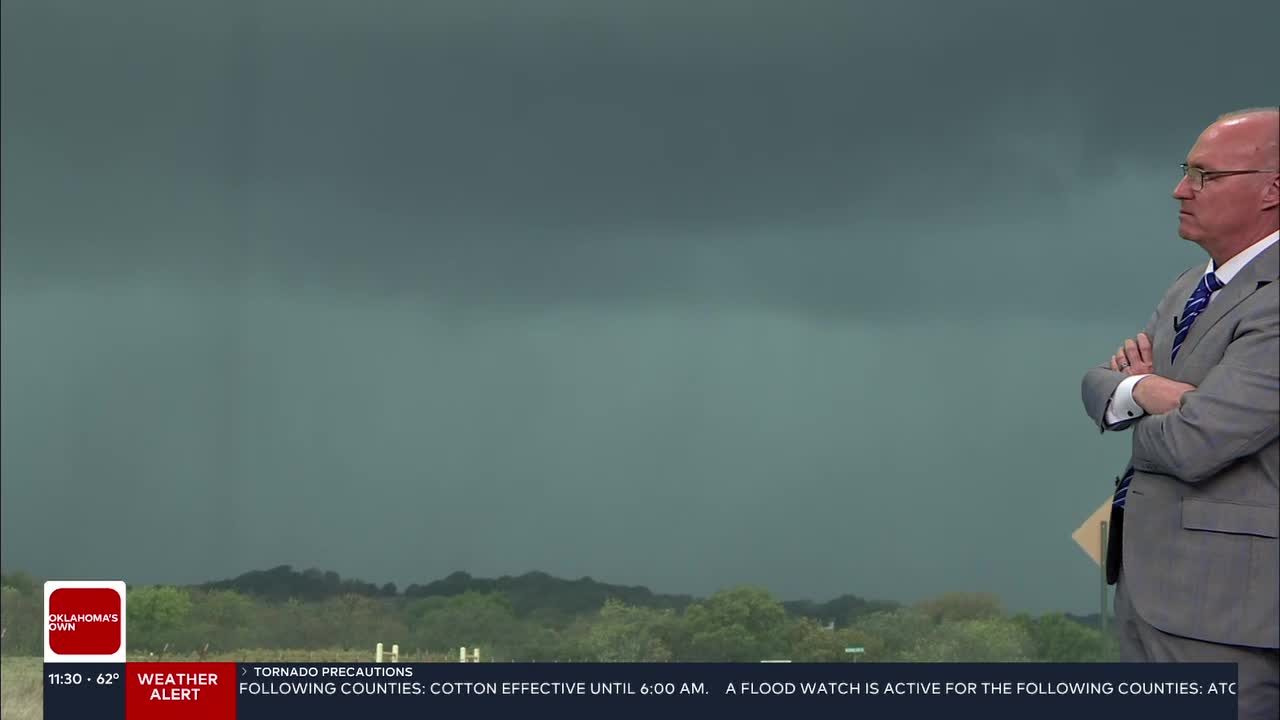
column 84, row 621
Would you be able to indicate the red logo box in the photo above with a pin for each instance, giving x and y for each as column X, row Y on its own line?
column 84, row 621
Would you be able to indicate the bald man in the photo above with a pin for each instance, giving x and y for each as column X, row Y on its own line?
column 1193, row 548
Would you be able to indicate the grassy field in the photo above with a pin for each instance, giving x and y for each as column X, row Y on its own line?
column 21, row 689
column 22, row 686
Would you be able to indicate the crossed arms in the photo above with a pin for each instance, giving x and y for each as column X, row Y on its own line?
column 1193, row 433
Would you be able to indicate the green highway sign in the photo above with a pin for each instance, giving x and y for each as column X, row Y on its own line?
column 855, row 649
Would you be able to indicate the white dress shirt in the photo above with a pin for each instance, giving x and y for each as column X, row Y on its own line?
column 1122, row 407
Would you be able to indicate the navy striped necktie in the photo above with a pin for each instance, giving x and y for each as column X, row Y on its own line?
column 1122, row 488
column 1199, row 300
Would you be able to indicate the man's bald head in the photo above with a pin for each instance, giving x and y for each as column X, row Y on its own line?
column 1272, row 112
column 1237, row 203
column 1253, row 133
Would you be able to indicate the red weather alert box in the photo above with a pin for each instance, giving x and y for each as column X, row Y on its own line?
column 191, row 691
column 84, row 621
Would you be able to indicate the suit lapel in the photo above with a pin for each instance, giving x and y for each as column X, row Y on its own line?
column 1257, row 273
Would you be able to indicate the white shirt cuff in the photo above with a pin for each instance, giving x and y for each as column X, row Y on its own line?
column 1122, row 407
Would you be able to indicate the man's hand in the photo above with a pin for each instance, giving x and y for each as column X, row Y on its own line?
column 1159, row 395
column 1134, row 357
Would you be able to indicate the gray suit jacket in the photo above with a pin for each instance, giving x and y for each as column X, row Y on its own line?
column 1202, row 516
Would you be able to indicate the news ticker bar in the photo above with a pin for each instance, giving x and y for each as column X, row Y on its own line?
column 252, row 691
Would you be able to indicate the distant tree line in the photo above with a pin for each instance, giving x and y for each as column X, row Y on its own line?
column 538, row 617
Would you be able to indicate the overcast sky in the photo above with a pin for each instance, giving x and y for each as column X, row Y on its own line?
column 682, row 294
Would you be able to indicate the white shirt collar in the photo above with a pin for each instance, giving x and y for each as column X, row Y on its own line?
column 1235, row 264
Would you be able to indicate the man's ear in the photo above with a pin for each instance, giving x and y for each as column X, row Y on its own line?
column 1271, row 197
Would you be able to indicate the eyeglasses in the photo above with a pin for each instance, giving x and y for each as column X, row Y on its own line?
column 1198, row 176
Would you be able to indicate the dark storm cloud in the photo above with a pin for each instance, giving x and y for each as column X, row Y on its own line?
column 565, row 151
column 676, row 293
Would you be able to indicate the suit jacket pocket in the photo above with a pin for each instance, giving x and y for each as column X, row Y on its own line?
column 1230, row 517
